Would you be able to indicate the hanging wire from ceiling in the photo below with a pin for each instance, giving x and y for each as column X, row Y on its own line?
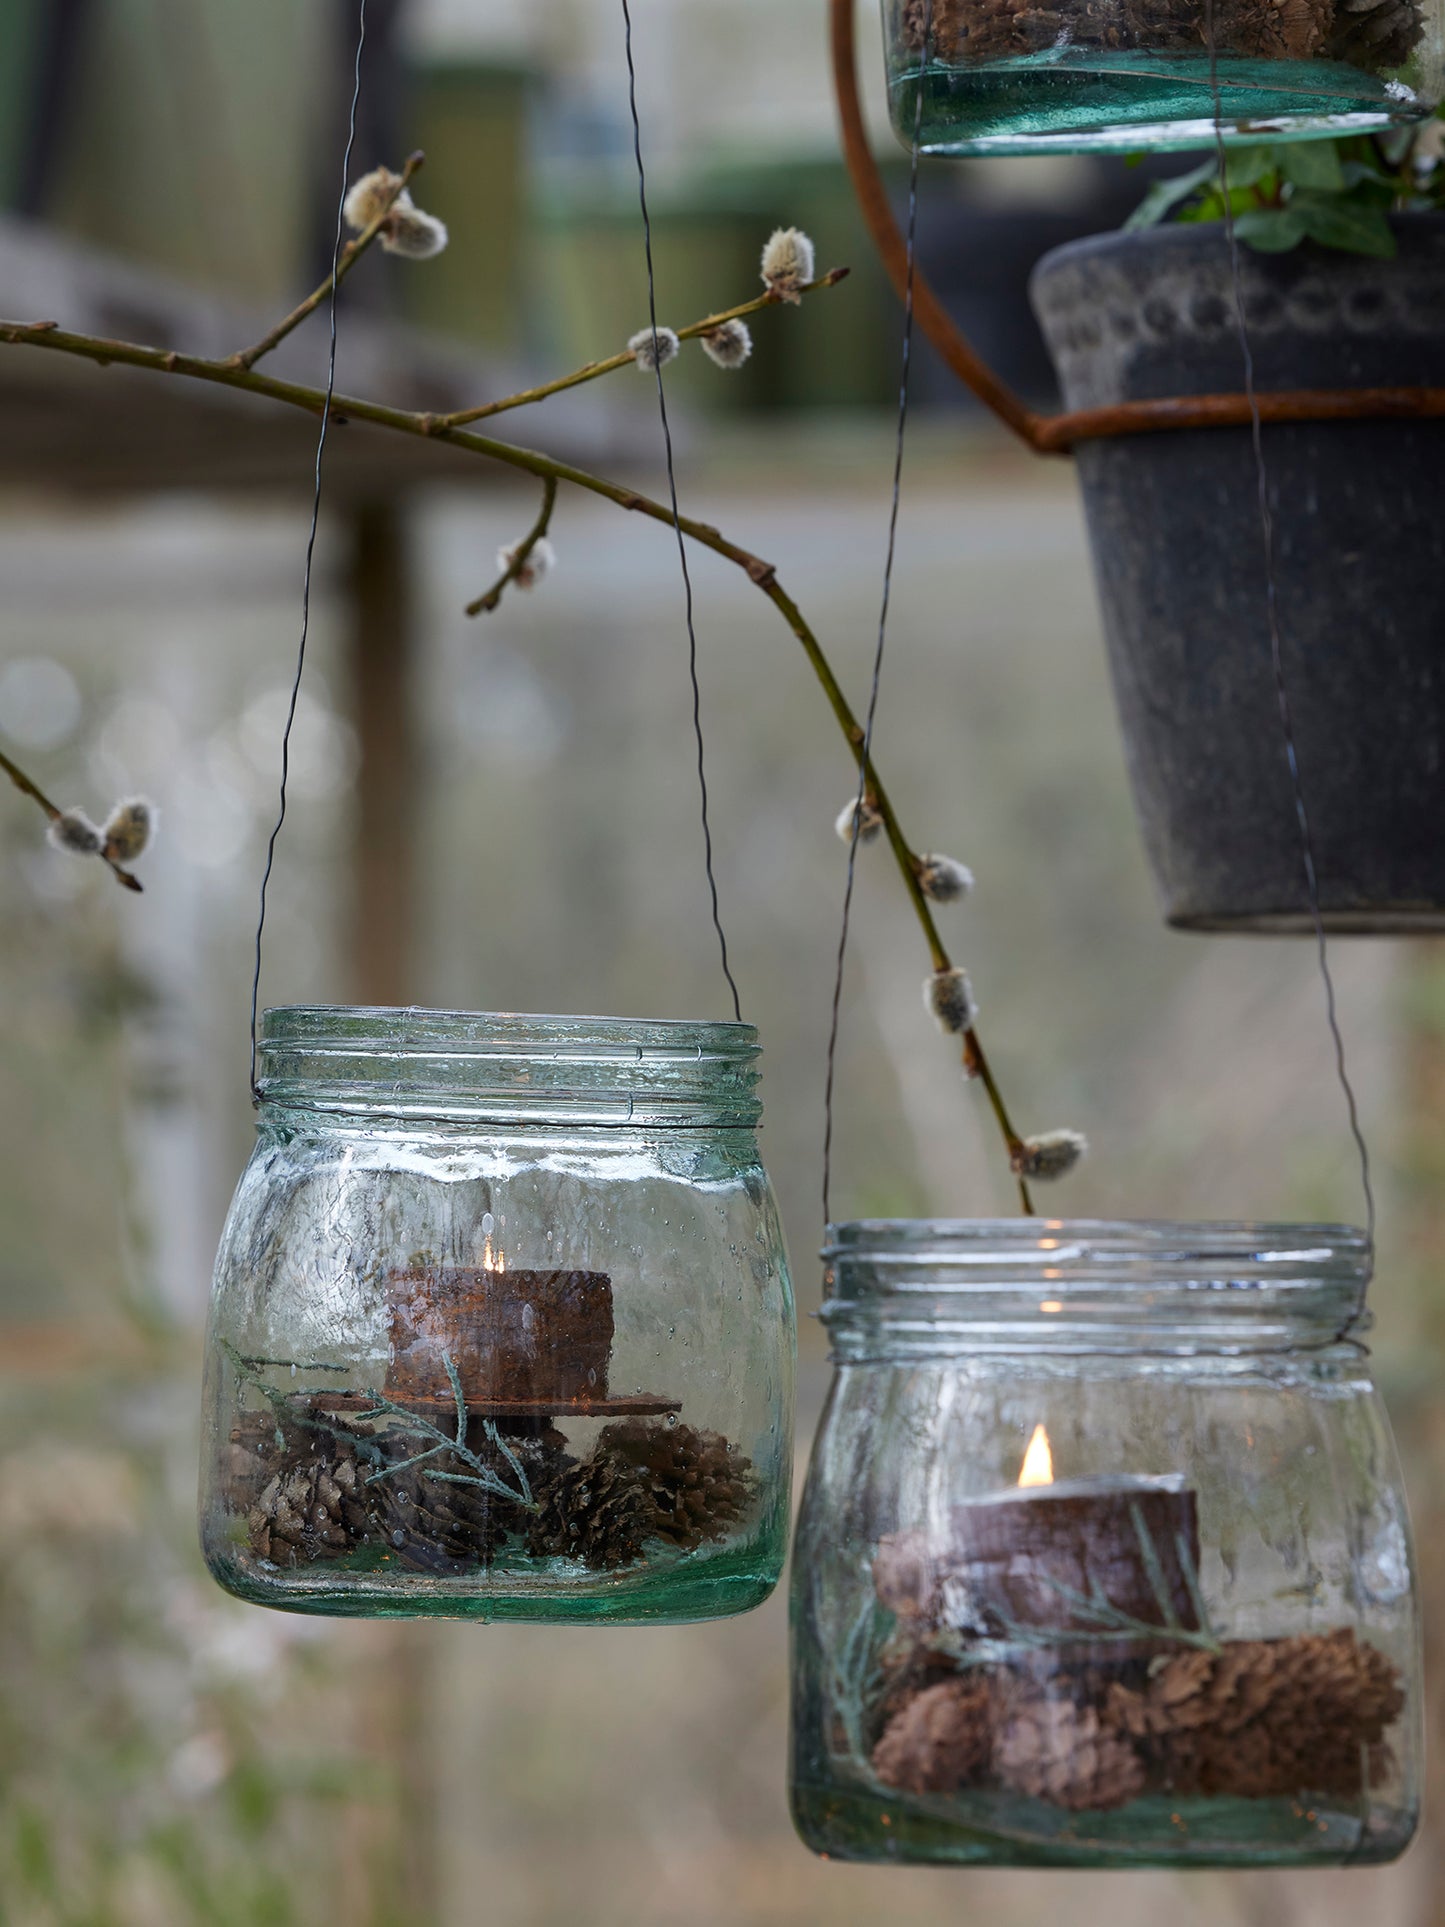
column 676, row 514
column 865, row 749
column 311, row 534
column 1276, row 647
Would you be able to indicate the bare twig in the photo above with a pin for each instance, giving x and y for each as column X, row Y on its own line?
column 346, row 261
column 29, row 787
column 489, row 601
column 625, row 358
column 226, row 373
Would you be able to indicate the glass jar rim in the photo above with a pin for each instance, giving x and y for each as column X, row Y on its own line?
column 408, row 1061
column 917, row 1287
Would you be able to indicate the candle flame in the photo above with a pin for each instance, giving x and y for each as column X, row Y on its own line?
column 493, row 1260
column 1038, row 1466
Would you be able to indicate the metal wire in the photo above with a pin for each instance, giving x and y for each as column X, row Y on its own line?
column 866, row 750
column 311, row 534
column 1276, row 649
column 676, row 515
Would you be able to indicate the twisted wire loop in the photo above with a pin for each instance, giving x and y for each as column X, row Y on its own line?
column 866, row 748
column 1276, row 649
column 311, row 535
column 676, row 515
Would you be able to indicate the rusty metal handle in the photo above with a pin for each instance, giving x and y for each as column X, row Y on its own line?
column 1057, row 434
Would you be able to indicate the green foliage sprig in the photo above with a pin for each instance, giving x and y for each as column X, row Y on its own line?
column 1338, row 193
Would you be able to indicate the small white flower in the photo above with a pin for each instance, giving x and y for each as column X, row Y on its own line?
column 944, row 879
column 787, row 263
column 129, row 829
column 73, row 830
column 870, row 820
column 1050, row 1155
column 948, row 995
column 652, row 349
column 540, row 561
column 729, row 344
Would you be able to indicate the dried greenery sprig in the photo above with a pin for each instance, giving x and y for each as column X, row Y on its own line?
column 237, row 371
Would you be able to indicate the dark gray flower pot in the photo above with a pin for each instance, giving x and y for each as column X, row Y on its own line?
column 1359, row 513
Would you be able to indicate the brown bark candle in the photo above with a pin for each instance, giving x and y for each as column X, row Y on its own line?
column 1091, row 1557
column 513, row 1336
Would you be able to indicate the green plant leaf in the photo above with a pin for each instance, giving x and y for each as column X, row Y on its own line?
column 1314, row 164
column 1247, row 165
column 1337, row 222
column 1270, row 230
column 1164, row 196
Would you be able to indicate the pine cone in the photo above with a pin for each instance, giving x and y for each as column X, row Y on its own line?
column 940, row 1740
column 1062, row 1753
column 449, row 1525
column 314, row 1508
column 698, row 1483
column 965, row 32
column 1264, row 1717
column 260, row 1445
column 1376, row 34
column 599, row 1512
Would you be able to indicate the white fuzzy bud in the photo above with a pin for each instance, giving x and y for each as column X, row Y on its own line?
column 366, row 198
column 129, row 829
column 73, row 830
column 729, row 344
column 1051, row 1155
column 406, row 230
column 410, row 232
column 943, row 879
column 652, row 349
column 541, row 559
column 870, row 820
column 948, row 995
column 787, row 263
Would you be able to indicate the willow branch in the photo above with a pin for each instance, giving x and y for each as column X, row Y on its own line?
column 27, row 786
column 625, row 358
column 46, row 335
column 346, row 261
column 521, row 553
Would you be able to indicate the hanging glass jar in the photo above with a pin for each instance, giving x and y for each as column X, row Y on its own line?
column 1103, row 1558
column 501, row 1324
column 1001, row 76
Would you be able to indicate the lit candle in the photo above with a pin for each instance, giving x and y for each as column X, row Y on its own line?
column 1095, row 1557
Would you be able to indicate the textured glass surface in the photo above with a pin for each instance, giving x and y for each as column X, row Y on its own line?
column 501, row 1324
column 1189, row 1639
column 1121, row 75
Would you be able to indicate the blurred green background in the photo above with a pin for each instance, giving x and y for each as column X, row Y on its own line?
column 166, row 1754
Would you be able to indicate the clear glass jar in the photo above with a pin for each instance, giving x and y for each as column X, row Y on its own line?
column 1190, row 1639
column 501, row 1324
column 1114, row 76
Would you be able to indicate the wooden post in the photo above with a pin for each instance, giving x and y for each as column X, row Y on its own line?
column 384, row 902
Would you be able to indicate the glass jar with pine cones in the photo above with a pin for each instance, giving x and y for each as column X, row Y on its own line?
column 1103, row 1558
column 501, row 1324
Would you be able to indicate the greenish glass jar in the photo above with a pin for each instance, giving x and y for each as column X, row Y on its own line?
column 1103, row 1557
column 501, row 1325
column 1116, row 76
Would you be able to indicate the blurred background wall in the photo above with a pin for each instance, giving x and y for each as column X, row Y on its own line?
column 170, row 1756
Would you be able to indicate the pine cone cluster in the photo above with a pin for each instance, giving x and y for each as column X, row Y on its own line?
column 314, row 1508
column 1296, row 1717
column 1266, row 1716
column 1374, row 34
column 699, row 1484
